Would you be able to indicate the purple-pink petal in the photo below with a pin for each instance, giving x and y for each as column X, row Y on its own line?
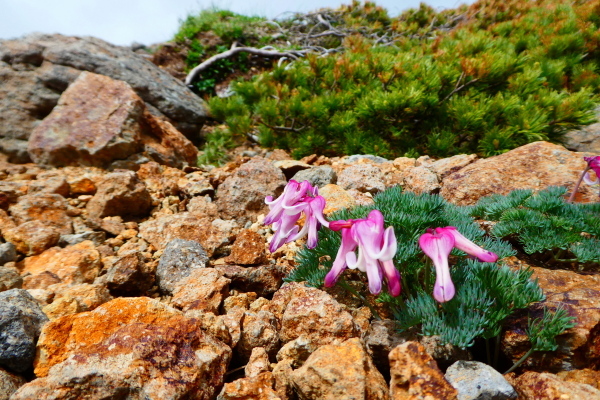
column 339, row 264
column 464, row 244
column 438, row 246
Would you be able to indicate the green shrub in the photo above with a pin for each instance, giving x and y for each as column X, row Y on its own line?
column 482, row 80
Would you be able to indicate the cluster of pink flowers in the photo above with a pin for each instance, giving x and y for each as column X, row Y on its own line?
column 376, row 245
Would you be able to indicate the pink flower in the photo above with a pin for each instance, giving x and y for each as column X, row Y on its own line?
column 376, row 250
column 437, row 245
column 286, row 210
column 593, row 164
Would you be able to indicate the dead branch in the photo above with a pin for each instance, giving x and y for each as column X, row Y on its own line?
column 196, row 71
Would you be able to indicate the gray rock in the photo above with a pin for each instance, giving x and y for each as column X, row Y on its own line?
column 10, row 279
column 585, row 139
column 21, row 320
column 317, row 176
column 36, row 69
column 478, row 381
column 67, row 240
column 179, row 259
column 8, row 253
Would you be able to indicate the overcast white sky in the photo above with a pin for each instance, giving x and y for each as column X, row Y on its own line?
column 150, row 21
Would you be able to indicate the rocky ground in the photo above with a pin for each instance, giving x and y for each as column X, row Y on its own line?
column 126, row 272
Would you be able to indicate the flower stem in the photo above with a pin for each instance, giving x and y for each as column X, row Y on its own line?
column 576, row 188
column 515, row 365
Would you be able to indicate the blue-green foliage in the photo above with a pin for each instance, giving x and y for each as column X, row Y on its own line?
column 544, row 223
column 486, row 292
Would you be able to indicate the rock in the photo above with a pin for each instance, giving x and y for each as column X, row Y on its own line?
column 259, row 329
column 474, row 380
column 21, row 320
column 362, row 177
column 336, row 198
column 587, row 138
column 415, row 375
column 364, row 158
column 297, row 351
column 381, row 338
column 263, row 280
column 179, row 259
column 77, row 298
column 204, row 289
column 79, row 263
column 317, row 176
column 99, row 120
column 447, row 166
column 290, row 167
column 533, row 385
column 120, row 193
column 10, row 279
column 258, row 362
column 97, row 238
column 160, row 180
column 282, row 372
column 31, row 238
column 51, row 184
column 242, row 195
column 129, row 275
column 82, row 185
column 196, row 184
column 202, row 207
column 536, row 166
column 8, row 253
column 127, row 347
column 312, row 313
column 588, row 376
column 578, row 346
column 258, row 387
column 233, row 321
column 36, row 69
column 340, row 371
column 421, row 180
column 50, row 209
column 160, row 231
column 10, row 193
column 248, row 249
column 9, row 383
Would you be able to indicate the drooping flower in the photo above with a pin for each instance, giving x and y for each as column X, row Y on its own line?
column 437, row 245
column 594, row 165
column 376, row 249
column 296, row 199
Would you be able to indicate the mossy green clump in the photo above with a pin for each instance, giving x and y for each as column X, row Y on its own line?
column 483, row 79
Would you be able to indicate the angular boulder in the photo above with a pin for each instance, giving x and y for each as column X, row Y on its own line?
column 99, row 120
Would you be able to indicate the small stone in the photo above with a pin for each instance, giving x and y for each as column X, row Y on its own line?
column 421, row 180
column 10, row 279
column 120, row 193
column 9, row 383
column 8, row 253
column 95, row 237
column 415, row 375
column 535, row 385
column 179, row 259
column 204, row 289
column 258, row 362
column 258, row 387
column 340, row 371
column 21, row 320
column 317, row 176
column 32, row 237
column 475, row 381
column 362, row 177
column 129, row 275
column 248, row 249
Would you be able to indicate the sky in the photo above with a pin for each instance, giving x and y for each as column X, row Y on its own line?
column 124, row 22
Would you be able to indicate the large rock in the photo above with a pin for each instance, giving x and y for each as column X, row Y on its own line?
column 99, row 120
column 343, row 371
column 579, row 347
column 534, row 166
column 475, row 380
column 533, row 385
column 21, row 320
column 127, row 348
column 179, row 259
column 36, row 69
